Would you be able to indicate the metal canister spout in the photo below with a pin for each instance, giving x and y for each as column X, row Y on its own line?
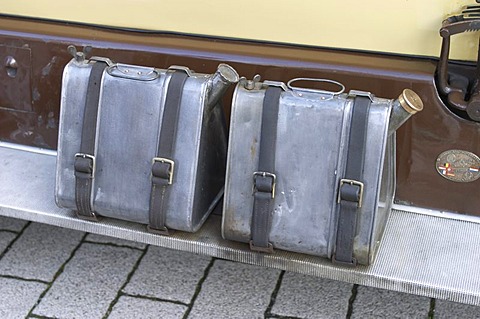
column 220, row 81
column 407, row 104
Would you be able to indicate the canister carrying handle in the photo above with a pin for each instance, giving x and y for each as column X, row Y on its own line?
column 333, row 93
column 133, row 72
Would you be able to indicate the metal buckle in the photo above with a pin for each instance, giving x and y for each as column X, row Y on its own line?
column 265, row 174
column 268, row 249
column 170, row 171
column 351, row 182
column 91, row 157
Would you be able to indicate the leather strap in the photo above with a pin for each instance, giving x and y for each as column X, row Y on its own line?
column 163, row 166
column 351, row 187
column 84, row 164
column 264, row 179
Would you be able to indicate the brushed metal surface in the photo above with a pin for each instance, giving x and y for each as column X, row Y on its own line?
column 421, row 254
column 310, row 159
column 132, row 99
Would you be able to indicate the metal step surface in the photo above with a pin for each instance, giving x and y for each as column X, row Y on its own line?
column 423, row 252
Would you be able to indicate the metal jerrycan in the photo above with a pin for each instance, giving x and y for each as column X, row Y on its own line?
column 141, row 144
column 311, row 171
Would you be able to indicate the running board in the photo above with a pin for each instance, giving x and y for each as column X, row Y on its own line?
column 422, row 252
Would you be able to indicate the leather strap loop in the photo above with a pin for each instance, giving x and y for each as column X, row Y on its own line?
column 265, row 179
column 163, row 166
column 84, row 164
column 351, row 187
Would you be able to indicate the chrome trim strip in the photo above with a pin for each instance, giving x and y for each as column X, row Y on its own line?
column 30, row 149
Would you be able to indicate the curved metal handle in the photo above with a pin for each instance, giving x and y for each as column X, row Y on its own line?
column 333, row 93
column 133, row 72
column 452, row 86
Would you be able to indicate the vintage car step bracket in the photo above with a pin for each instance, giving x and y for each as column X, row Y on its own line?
column 421, row 253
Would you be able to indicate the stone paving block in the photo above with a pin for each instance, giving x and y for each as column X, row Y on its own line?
column 17, row 297
column 13, row 224
column 168, row 274
column 5, row 239
column 89, row 282
column 130, row 307
column 39, row 252
column 233, row 290
column 312, row 297
column 379, row 303
column 448, row 310
column 112, row 240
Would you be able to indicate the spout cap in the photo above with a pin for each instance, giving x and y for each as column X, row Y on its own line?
column 410, row 101
column 228, row 73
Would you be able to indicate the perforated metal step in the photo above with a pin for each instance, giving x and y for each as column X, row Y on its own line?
column 423, row 252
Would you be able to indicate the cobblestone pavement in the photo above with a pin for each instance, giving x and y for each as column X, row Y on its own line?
column 50, row 272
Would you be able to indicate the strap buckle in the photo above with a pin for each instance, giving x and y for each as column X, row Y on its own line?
column 157, row 172
column 356, row 197
column 262, row 187
column 84, row 165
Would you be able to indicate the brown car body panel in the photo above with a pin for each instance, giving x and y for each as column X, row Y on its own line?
column 30, row 101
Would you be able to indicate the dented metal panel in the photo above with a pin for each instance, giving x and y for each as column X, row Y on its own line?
column 15, row 76
column 312, row 138
column 130, row 113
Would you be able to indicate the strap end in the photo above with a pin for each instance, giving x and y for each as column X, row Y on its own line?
column 268, row 249
column 352, row 263
column 163, row 231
